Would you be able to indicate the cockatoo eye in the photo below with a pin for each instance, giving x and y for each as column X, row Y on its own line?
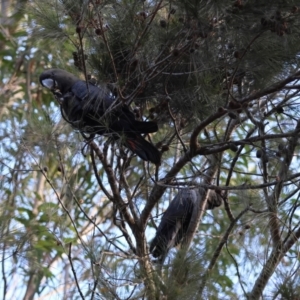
column 49, row 83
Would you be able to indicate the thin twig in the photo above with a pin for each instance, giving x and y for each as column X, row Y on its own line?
column 237, row 270
column 108, row 195
column 113, row 184
column 176, row 129
column 86, row 215
column 218, row 250
column 94, row 289
column 74, row 272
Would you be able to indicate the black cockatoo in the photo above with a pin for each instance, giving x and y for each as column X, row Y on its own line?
column 91, row 110
column 176, row 220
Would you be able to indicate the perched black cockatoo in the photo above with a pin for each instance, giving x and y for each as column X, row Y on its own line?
column 176, row 220
column 91, row 110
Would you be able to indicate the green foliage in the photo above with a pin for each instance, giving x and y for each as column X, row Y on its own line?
column 225, row 72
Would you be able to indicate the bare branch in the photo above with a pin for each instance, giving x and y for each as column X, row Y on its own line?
column 73, row 271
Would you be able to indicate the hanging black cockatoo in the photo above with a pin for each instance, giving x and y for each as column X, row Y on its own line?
column 94, row 110
column 176, row 220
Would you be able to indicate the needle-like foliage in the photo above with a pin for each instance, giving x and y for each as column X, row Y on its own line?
column 221, row 81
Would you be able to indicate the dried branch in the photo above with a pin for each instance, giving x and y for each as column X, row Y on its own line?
column 193, row 140
column 272, row 89
column 219, row 147
column 158, row 189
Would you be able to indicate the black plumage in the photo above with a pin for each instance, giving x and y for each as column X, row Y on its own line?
column 94, row 110
column 176, row 220
column 174, row 223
